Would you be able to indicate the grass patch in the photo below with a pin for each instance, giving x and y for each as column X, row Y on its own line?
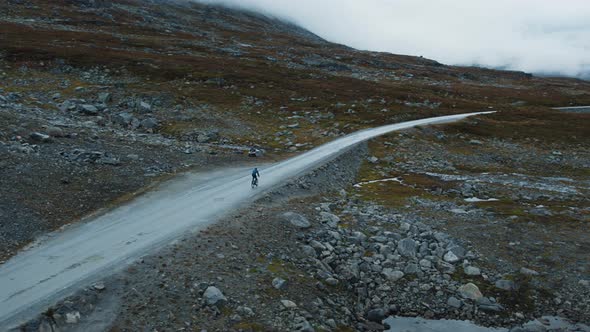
column 520, row 300
column 249, row 326
column 546, row 126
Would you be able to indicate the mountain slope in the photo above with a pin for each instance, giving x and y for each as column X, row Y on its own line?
column 99, row 100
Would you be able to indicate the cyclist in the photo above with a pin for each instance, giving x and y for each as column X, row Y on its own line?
column 255, row 176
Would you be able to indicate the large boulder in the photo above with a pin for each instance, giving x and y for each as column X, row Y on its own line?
column 288, row 304
column 213, row 296
column 470, row 291
column 279, row 283
column 459, row 251
column 391, row 274
column 296, row 220
column 88, row 109
column 407, row 247
column 376, row 315
column 55, row 132
column 40, row 137
column 472, row 271
column 331, row 219
column 450, row 257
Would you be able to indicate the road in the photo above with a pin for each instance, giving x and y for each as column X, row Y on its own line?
column 574, row 109
column 94, row 248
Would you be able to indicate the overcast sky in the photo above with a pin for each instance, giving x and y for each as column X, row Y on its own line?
column 540, row 36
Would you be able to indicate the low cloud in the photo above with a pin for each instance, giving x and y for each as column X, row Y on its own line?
column 539, row 36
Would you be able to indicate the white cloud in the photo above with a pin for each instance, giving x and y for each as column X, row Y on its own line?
column 541, row 36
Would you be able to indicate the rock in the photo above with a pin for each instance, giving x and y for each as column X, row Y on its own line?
column 485, row 304
column 379, row 239
column 329, row 218
column 297, row 220
column 67, row 105
column 541, row 211
column 213, row 296
column 335, row 235
column 445, row 267
column 145, row 107
column 40, row 137
column 507, row 285
column 376, row 315
column 72, row 317
column 411, row 268
column 407, row 247
column 317, row 245
column 104, row 97
column 470, row 291
column 302, row 325
column 472, row 271
column 279, row 283
column 109, row 161
column 56, row 96
column 350, row 272
column 87, row 109
column 519, row 103
column 528, row 272
column 245, row 311
column 55, row 132
column 99, row 286
column 149, row 123
column 475, row 142
column 450, row 257
column 288, row 304
column 256, row 152
column 358, row 237
column 454, row 302
column 135, row 123
column 425, row 263
column 391, row 274
column 404, row 226
column 459, row 251
column 124, row 119
column 373, row 159
column 331, row 281
column 584, row 283
column 458, row 211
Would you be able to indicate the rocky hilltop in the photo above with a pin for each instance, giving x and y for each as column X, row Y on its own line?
column 483, row 220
